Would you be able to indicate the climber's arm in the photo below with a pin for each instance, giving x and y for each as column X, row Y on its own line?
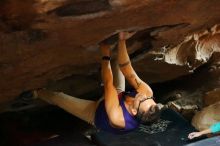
column 127, row 69
column 113, row 108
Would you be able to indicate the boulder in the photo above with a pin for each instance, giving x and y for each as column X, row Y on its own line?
column 206, row 117
column 211, row 97
column 45, row 41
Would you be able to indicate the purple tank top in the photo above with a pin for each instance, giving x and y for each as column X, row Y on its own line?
column 102, row 121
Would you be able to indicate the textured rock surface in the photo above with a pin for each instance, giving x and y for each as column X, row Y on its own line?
column 212, row 97
column 207, row 117
column 42, row 41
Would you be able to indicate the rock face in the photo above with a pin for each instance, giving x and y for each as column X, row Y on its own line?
column 212, row 97
column 43, row 41
column 207, row 117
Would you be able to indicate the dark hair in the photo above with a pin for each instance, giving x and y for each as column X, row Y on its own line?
column 152, row 115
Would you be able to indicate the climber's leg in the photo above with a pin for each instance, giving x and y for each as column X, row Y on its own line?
column 81, row 108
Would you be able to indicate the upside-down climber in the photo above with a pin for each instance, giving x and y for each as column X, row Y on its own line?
column 118, row 111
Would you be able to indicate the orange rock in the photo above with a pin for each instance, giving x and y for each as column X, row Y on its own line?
column 206, row 117
column 212, row 97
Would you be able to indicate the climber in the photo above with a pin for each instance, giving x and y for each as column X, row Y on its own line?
column 119, row 111
column 215, row 128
